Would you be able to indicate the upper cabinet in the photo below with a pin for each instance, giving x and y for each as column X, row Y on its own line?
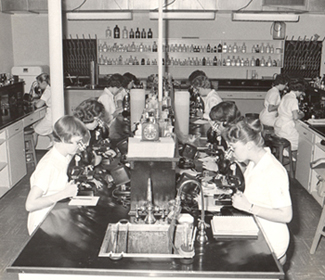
column 23, row 6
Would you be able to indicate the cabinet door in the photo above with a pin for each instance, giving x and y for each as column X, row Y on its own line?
column 305, row 156
column 16, row 153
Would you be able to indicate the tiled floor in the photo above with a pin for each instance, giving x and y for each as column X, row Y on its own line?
column 300, row 265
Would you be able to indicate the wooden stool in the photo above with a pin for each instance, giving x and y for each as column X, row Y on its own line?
column 319, row 232
column 277, row 146
column 30, row 146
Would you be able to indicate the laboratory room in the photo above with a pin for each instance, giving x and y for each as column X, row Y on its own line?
column 162, row 139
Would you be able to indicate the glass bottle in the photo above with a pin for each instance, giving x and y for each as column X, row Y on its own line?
column 154, row 47
column 253, row 61
column 243, row 48
column 108, row 33
column 131, row 34
column 143, row 34
column 208, row 48
column 215, row 61
column 137, row 33
column 224, row 48
column 116, row 32
column 257, row 62
column 149, row 33
column 269, row 62
column 235, row 48
column 203, row 61
column 262, row 61
column 233, row 61
column 125, row 33
column 228, row 61
column 219, row 48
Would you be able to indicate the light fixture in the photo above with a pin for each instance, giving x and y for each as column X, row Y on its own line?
column 202, row 15
column 264, row 16
column 99, row 15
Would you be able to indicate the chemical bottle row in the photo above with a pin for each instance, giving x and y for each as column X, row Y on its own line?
column 238, row 62
column 125, row 34
column 142, row 47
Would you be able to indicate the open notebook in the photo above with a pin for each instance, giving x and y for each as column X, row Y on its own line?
column 234, row 226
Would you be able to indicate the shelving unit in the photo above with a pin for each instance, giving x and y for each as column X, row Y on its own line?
column 182, row 56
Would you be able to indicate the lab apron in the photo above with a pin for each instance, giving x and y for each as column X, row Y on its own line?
column 286, row 128
column 268, row 118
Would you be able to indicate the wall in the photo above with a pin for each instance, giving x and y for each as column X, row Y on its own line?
column 31, row 31
column 6, row 53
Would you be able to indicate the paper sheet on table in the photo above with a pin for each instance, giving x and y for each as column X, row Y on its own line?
column 201, row 121
column 84, row 201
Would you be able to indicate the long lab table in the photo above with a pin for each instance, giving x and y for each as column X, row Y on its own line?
column 67, row 243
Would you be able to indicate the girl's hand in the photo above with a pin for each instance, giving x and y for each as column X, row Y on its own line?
column 209, row 164
column 71, row 189
column 240, row 201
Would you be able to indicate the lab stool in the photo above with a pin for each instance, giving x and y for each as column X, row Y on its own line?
column 319, row 232
column 277, row 146
column 30, row 154
column 267, row 131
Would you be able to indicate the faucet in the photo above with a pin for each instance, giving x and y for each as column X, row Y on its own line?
column 202, row 237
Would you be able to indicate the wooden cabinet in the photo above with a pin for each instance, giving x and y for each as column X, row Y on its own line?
column 4, row 173
column 182, row 56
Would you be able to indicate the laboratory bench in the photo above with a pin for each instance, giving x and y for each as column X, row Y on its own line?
column 68, row 243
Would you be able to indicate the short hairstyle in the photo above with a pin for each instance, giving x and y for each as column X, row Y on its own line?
column 281, row 79
column 44, row 77
column 115, row 80
column 88, row 110
column 128, row 77
column 195, row 74
column 297, row 84
column 226, row 112
column 68, row 126
column 201, row 81
column 245, row 130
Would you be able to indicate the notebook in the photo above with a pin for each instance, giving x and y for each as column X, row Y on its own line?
column 234, row 227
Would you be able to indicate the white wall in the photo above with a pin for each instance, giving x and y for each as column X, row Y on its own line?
column 30, row 32
column 6, row 53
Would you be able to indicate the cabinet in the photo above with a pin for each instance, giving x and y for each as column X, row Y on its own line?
column 182, row 56
column 247, row 102
column 16, row 152
column 304, row 155
column 4, row 173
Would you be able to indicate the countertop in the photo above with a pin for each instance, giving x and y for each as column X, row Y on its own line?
column 69, row 240
column 17, row 114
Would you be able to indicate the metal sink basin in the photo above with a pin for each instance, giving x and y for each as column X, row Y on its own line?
column 147, row 241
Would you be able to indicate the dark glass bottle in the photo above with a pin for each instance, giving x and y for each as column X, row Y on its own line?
column 131, row 34
column 149, row 33
column 219, row 48
column 137, row 33
column 143, row 33
column 215, row 61
column 257, row 62
column 208, row 48
column 204, row 61
column 116, row 32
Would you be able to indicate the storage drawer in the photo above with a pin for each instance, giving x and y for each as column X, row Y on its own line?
column 14, row 128
column 306, row 133
column 31, row 119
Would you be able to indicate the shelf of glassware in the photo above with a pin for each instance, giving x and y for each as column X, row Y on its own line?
column 182, row 56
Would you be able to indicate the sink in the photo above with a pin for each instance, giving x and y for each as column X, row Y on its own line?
column 147, row 241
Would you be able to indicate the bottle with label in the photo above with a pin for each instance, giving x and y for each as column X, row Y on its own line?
column 204, row 61
column 105, row 48
column 268, row 48
column 238, row 61
column 235, row 48
column 269, row 62
column 108, row 33
column 219, row 48
column 143, row 34
column 262, row 48
column 154, row 47
column 116, row 32
column 224, row 48
column 208, row 48
column 137, row 33
column 228, row 61
column 233, row 61
column 125, row 33
column 149, row 33
column 230, row 48
column 215, row 61
column 262, row 62
column 131, row 34
column 243, row 48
